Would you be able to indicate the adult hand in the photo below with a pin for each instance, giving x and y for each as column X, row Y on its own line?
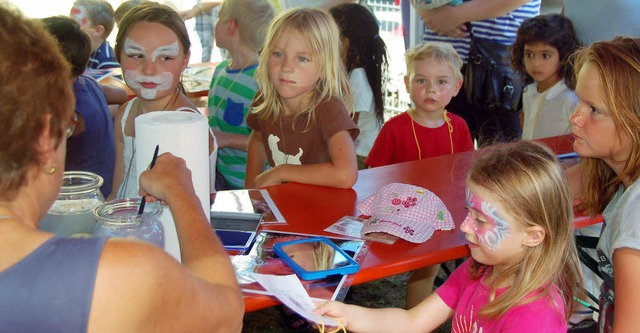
column 442, row 19
column 459, row 32
column 168, row 178
column 200, row 8
column 189, row 13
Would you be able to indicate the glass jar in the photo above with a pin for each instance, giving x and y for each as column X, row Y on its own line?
column 119, row 218
column 72, row 212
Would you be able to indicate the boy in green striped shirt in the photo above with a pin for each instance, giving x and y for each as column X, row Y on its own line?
column 241, row 30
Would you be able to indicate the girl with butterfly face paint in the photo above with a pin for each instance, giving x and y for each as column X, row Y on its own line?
column 492, row 239
column 523, row 270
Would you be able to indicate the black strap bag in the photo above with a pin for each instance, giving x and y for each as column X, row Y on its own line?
column 489, row 81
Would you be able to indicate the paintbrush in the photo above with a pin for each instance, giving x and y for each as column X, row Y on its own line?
column 143, row 201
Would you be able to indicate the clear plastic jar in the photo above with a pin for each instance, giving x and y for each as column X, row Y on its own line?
column 119, row 218
column 72, row 212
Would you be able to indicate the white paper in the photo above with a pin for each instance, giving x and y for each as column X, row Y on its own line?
column 289, row 290
column 247, row 201
column 352, row 226
column 237, row 201
column 347, row 226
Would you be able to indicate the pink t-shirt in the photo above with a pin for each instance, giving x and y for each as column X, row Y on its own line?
column 466, row 297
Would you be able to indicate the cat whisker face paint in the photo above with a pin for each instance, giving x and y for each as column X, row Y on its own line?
column 138, row 78
column 163, row 52
column 149, row 86
column 485, row 221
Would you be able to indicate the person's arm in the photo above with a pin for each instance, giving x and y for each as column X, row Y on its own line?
column 115, row 96
column 449, row 18
column 341, row 172
column 256, row 158
column 626, row 269
column 140, row 288
column 118, row 170
column 201, row 251
column 198, row 9
column 232, row 140
column 425, row 317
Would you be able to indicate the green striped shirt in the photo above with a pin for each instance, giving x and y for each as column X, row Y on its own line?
column 230, row 96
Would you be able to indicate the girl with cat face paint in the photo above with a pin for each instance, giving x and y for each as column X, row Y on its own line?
column 152, row 47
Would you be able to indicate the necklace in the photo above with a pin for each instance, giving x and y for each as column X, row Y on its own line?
column 415, row 137
column 216, row 84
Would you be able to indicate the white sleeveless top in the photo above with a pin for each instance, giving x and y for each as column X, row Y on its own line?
column 130, row 186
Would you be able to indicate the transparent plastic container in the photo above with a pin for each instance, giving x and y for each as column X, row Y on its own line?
column 72, row 212
column 119, row 218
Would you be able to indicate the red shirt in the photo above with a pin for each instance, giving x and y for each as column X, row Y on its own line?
column 396, row 142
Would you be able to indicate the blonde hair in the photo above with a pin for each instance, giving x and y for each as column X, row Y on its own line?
column 442, row 52
column 324, row 256
column 252, row 17
column 617, row 63
column 319, row 29
column 527, row 179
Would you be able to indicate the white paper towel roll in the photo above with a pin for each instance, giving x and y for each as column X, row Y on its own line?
column 183, row 134
column 171, row 242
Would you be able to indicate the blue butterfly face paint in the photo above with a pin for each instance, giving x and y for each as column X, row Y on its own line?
column 490, row 228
